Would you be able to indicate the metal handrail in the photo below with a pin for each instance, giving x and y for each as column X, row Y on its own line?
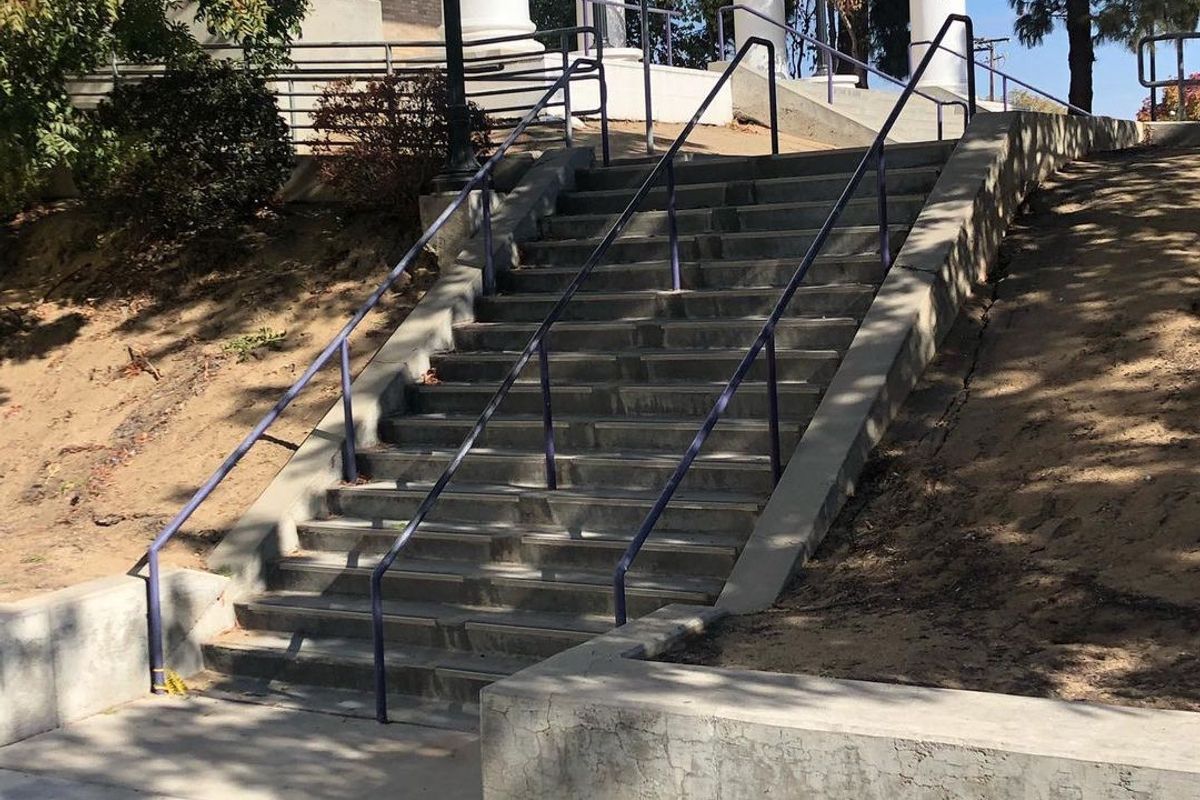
column 537, row 343
column 766, row 337
column 339, row 344
column 1005, row 78
column 1181, row 81
column 831, row 53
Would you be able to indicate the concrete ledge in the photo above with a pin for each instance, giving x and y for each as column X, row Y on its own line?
column 68, row 654
column 950, row 248
column 1172, row 134
column 594, row 723
column 268, row 529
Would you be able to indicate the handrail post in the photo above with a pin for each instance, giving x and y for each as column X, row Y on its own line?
column 1182, row 116
column 1004, row 88
column 941, row 121
column 721, row 34
column 773, row 410
column 158, row 683
column 489, row 257
column 547, row 415
column 673, row 227
column 773, row 98
column 1153, row 79
column 605, row 148
column 381, row 703
column 670, row 49
column 972, row 106
column 349, row 456
column 885, row 239
column 568, row 134
column 646, row 79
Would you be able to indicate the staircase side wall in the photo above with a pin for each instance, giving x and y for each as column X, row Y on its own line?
column 950, row 248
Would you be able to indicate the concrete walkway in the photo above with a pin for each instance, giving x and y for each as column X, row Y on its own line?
column 206, row 749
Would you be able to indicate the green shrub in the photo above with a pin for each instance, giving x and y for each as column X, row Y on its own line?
column 195, row 150
column 383, row 141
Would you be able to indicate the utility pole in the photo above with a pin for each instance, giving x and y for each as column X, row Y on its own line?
column 989, row 46
column 460, row 156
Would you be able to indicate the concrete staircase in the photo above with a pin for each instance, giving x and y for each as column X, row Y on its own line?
column 505, row 572
column 871, row 107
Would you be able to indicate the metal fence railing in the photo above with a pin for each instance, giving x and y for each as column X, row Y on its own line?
column 504, row 85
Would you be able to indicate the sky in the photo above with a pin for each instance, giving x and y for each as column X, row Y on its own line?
column 1117, row 92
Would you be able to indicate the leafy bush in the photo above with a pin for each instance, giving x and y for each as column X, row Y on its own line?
column 44, row 44
column 197, row 149
column 384, row 140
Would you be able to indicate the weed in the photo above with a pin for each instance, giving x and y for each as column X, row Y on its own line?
column 247, row 345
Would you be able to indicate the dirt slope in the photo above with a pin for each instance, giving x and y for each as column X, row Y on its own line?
column 1031, row 524
column 127, row 374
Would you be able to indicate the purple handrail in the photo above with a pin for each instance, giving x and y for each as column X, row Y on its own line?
column 830, row 53
column 537, row 343
column 340, row 344
column 766, row 337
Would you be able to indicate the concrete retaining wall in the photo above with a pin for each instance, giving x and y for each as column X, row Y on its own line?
column 268, row 529
column 950, row 248
column 68, row 654
column 595, row 723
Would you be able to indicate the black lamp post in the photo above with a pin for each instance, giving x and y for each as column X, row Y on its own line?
column 460, row 157
column 823, row 64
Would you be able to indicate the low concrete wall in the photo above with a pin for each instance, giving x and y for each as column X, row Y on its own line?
column 592, row 722
column 950, row 248
column 268, row 529
column 68, row 654
column 798, row 115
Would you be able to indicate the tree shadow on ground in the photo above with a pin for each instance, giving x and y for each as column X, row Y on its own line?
column 1028, row 525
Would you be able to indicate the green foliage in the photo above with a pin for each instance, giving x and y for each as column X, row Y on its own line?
column 248, row 345
column 385, row 139
column 197, row 149
column 45, row 43
column 1021, row 100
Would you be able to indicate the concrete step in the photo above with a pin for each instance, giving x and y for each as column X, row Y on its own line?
column 599, row 336
column 443, row 626
column 842, row 241
column 575, row 508
column 716, row 274
column 575, row 434
column 403, row 709
column 902, row 209
column 503, row 585
column 836, row 300
column 653, row 365
column 757, row 167
column 722, row 472
column 542, row 546
column 347, row 663
column 816, row 188
column 797, row 400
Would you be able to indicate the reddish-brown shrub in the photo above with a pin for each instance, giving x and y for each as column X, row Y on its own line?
column 384, row 140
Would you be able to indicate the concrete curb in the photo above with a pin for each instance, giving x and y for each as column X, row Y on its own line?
column 68, row 654
column 594, row 722
column 268, row 529
column 950, row 248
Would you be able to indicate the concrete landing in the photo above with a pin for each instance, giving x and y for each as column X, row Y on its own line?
column 206, row 749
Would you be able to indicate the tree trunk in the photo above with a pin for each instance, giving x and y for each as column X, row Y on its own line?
column 1081, row 55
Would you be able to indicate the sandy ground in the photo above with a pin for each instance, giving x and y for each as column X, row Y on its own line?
column 119, row 393
column 1031, row 524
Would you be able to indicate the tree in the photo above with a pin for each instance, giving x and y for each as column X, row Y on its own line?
column 1021, row 100
column 45, row 43
column 1167, row 108
column 1091, row 21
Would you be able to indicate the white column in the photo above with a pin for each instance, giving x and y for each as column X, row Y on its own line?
column 944, row 70
column 486, row 19
column 746, row 25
